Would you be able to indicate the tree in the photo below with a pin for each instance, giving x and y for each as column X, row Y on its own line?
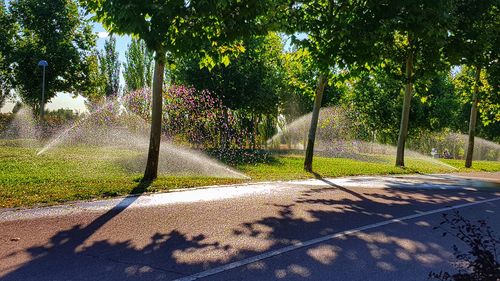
column 177, row 27
column 251, row 81
column 475, row 41
column 138, row 68
column 7, row 34
column 412, row 33
column 488, row 105
column 95, row 86
column 251, row 84
column 54, row 31
column 109, row 66
column 436, row 106
column 374, row 102
column 299, row 75
column 338, row 34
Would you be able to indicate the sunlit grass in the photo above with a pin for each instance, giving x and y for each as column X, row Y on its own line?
column 484, row 166
column 291, row 167
column 84, row 173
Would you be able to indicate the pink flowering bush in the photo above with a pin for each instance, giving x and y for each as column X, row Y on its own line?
column 191, row 116
column 139, row 102
column 197, row 117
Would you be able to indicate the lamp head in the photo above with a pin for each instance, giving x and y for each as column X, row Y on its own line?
column 43, row 63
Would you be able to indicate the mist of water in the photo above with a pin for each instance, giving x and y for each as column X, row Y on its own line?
column 111, row 126
column 336, row 136
column 456, row 144
column 23, row 127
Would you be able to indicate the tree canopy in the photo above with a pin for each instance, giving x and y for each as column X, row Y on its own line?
column 138, row 67
column 179, row 27
column 251, row 82
column 54, row 31
column 109, row 67
column 7, row 34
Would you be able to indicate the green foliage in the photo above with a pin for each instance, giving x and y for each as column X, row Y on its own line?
column 301, row 79
column 253, row 82
column 180, row 27
column 54, row 31
column 6, row 33
column 334, row 30
column 109, row 67
column 300, row 73
column 419, row 27
column 488, row 105
column 138, row 68
column 61, row 117
column 475, row 37
column 374, row 100
column 252, row 86
column 95, row 87
column 436, row 105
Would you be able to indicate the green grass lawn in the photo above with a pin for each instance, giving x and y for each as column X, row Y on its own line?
column 83, row 173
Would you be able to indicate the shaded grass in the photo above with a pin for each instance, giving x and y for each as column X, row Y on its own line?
column 84, row 173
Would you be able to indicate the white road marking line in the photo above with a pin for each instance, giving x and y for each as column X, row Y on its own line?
column 307, row 243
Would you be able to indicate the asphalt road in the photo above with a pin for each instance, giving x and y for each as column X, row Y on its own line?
column 359, row 228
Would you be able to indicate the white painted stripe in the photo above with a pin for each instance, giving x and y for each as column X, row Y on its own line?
column 307, row 243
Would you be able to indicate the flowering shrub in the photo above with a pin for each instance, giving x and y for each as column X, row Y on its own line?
column 191, row 116
column 139, row 102
column 197, row 117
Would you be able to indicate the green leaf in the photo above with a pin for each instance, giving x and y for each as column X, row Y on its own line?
column 225, row 60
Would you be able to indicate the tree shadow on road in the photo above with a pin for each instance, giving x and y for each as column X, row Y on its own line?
column 317, row 212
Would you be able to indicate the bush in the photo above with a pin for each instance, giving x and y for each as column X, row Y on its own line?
column 480, row 262
column 191, row 116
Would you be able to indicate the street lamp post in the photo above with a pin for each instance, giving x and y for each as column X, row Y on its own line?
column 43, row 64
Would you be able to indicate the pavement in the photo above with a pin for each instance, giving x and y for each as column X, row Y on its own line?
column 355, row 228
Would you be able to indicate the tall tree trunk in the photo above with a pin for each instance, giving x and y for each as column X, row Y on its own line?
column 224, row 132
column 252, row 133
column 257, row 121
column 405, row 114
column 320, row 88
column 154, row 140
column 473, row 117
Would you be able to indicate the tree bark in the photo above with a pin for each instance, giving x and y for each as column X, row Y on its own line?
column 252, row 134
column 322, row 80
column 405, row 114
column 155, row 138
column 473, row 117
column 224, row 132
